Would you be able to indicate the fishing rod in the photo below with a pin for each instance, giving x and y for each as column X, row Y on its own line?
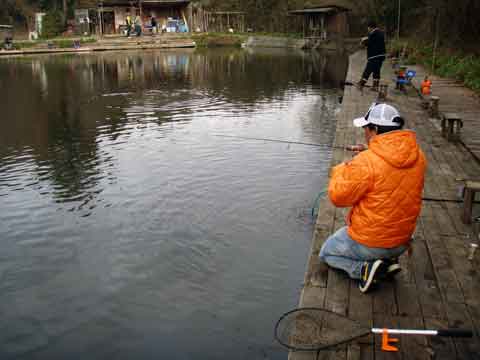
column 320, row 195
column 283, row 141
column 458, row 201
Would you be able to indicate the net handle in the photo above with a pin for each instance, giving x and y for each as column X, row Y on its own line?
column 440, row 332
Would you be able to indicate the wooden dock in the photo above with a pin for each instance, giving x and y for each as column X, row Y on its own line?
column 164, row 42
column 438, row 286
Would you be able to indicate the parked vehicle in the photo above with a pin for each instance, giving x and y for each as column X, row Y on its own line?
column 173, row 25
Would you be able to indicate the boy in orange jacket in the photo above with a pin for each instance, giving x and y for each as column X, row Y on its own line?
column 383, row 185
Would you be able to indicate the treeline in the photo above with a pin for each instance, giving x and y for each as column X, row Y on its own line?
column 452, row 22
column 21, row 13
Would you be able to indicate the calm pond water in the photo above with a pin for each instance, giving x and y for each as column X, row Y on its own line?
column 130, row 228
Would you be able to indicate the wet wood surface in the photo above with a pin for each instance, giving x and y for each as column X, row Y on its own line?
column 438, row 286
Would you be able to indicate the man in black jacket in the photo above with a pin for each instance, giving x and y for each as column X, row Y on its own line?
column 376, row 53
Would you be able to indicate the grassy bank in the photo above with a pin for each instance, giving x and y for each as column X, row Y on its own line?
column 61, row 43
column 218, row 39
column 448, row 63
column 236, row 40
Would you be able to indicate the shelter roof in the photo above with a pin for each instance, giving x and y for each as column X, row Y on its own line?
column 94, row 3
column 314, row 11
column 339, row 4
column 6, row 28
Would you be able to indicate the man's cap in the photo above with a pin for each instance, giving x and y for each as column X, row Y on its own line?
column 378, row 114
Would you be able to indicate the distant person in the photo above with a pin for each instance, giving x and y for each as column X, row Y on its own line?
column 426, row 86
column 128, row 22
column 138, row 25
column 154, row 24
column 383, row 185
column 376, row 54
column 8, row 43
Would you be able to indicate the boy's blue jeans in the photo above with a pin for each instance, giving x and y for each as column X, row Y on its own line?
column 341, row 252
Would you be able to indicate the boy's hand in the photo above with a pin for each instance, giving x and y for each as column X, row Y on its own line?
column 357, row 148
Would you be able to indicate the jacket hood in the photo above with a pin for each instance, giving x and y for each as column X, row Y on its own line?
column 398, row 148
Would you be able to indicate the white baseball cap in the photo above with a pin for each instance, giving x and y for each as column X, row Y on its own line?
column 378, row 114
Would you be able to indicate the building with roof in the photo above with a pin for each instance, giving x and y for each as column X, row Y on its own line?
column 109, row 16
column 324, row 19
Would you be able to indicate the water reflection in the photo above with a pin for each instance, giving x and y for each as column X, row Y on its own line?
column 128, row 229
column 64, row 107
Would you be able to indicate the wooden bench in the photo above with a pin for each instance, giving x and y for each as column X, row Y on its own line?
column 471, row 187
column 433, row 108
column 451, row 126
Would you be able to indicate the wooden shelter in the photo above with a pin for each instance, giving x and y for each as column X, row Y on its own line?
column 6, row 30
column 109, row 16
column 223, row 21
column 326, row 21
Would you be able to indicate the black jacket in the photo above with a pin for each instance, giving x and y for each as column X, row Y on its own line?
column 376, row 45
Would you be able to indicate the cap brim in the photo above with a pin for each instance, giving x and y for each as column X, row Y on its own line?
column 360, row 122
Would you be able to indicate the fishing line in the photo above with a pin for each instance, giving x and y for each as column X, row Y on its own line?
column 281, row 141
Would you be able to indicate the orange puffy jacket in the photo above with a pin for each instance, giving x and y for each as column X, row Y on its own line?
column 426, row 87
column 384, row 186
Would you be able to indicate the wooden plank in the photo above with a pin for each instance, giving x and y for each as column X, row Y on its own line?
column 408, row 299
column 302, row 355
column 312, row 297
column 454, row 211
column 360, row 351
column 447, row 281
column 384, row 301
column 459, row 317
column 317, row 272
column 429, row 294
column 339, row 352
column 441, row 347
column 385, row 321
column 413, row 347
column 337, row 296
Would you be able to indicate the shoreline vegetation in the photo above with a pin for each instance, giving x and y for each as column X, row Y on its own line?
column 61, row 43
column 443, row 62
column 203, row 40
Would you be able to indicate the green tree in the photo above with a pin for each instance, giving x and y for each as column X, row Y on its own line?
column 53, row 24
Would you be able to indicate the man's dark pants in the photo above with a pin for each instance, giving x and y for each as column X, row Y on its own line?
column 373, row 66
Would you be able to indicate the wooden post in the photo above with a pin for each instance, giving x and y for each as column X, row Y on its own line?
column 451, row 126
column 471, row 187
column 303, row 30
column 140, row 9
column 383, row 92
column 101, row 18
column 434, row 106
column 322, row 26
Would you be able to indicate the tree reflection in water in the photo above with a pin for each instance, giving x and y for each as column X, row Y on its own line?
column 61, row 109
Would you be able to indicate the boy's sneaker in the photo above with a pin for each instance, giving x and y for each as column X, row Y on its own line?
column 393, row 267
column 371, row 273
